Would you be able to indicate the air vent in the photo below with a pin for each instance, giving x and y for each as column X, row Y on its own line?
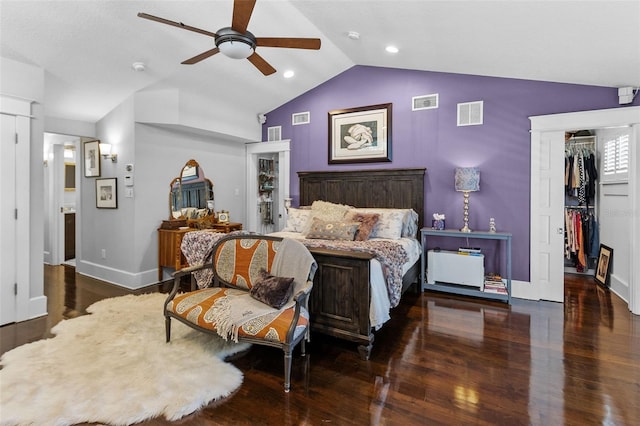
column 470, row 113
column 300, row 118
column 424, row 102
column 274, row 133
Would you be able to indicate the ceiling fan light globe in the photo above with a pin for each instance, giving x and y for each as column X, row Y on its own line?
column 236, row 49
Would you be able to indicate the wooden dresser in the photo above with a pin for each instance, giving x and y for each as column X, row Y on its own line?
column 169, row 253
column 169, row 241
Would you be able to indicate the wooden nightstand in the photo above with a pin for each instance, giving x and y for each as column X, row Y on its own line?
column 227, row 227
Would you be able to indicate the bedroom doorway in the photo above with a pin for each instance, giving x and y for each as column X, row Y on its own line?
column 62, row 168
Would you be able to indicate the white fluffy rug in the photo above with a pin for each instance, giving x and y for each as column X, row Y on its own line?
column 114, row 367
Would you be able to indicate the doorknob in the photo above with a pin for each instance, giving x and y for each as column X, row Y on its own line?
column 561, row 230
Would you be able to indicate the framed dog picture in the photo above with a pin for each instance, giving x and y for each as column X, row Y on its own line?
column 603, row 268
column 360, row 135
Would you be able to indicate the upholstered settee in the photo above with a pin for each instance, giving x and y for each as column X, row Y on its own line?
column 260, row 291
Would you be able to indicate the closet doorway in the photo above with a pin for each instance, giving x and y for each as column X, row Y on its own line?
column 581, row 182
column 547, row 203
column 271, row 196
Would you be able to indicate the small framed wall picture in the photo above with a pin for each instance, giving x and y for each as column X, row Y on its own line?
column 603, row 268
column 92, row 159
column 107, row 193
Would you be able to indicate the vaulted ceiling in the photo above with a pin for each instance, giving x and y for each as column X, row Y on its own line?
column 87, row 47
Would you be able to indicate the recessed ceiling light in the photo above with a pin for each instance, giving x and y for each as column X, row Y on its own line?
column 288, row 74
column 391, row 49
column 138, row 66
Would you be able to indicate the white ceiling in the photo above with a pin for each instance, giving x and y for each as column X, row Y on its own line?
column 87, row 47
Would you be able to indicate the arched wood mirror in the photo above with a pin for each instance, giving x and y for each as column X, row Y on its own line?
column 191, row 195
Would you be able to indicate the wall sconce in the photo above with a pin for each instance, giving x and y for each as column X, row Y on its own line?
column 287, row 204
column 105, row 151
column 467, row 180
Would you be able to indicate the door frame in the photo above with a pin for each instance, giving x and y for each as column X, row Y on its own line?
column 554, row 126
column 56, row 197
column 283, row 149
column 25, row 306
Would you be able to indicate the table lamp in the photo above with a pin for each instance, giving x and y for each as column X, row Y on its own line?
column 467, row 180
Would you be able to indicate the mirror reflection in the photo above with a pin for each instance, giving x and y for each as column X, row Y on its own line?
column 191, row 194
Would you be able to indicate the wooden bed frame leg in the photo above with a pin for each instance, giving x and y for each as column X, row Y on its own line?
column 365, row 351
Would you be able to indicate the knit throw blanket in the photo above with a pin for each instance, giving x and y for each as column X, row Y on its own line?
column 196, row 247
column 236, row 309
column 390, row 255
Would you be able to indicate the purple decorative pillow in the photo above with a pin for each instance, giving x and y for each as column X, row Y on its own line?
column 271, row 290
column 367, row 223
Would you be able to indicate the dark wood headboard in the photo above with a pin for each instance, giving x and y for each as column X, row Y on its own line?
column 392, row 188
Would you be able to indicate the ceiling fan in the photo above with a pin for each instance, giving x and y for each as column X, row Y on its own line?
column 238, row 43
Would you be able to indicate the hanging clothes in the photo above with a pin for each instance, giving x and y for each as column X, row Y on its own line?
column 581, row 237
column 581, row 226
column 580, row 174
column 592, row 172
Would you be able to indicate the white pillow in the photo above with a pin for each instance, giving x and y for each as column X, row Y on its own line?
column 390, row 224
column 296, row 219
column 410, row 225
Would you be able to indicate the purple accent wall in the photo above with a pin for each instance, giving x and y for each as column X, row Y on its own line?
column 431, row 139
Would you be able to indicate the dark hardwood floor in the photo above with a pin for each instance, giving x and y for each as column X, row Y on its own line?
column 440, row 360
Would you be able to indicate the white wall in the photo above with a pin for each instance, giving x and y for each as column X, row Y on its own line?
column 128, row 234
column 160, row 155
column 615, row 219
column 197, row 114
column 69, row 127
column 22, row 81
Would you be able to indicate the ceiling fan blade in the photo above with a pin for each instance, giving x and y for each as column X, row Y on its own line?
column 242, row 10
column 293, row 43
column 259, row 62
column 203, row 55
column 176, row 24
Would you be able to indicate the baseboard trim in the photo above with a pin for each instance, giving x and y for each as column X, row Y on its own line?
column 117, row 277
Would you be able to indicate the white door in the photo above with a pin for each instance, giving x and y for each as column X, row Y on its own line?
column 547, row 220
column 7, row 219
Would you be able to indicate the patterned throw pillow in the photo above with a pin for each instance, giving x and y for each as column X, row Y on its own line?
column 330, row 230
column 326, row 211
column 329, row 211
column 271, row 290
column 367, row 223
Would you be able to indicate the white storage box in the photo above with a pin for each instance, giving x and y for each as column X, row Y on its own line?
column 451, row 267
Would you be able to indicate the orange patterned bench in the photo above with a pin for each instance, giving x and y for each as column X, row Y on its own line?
column 228, row 308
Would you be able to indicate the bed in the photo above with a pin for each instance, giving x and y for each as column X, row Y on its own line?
column 345, row 283
column 354, row 289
